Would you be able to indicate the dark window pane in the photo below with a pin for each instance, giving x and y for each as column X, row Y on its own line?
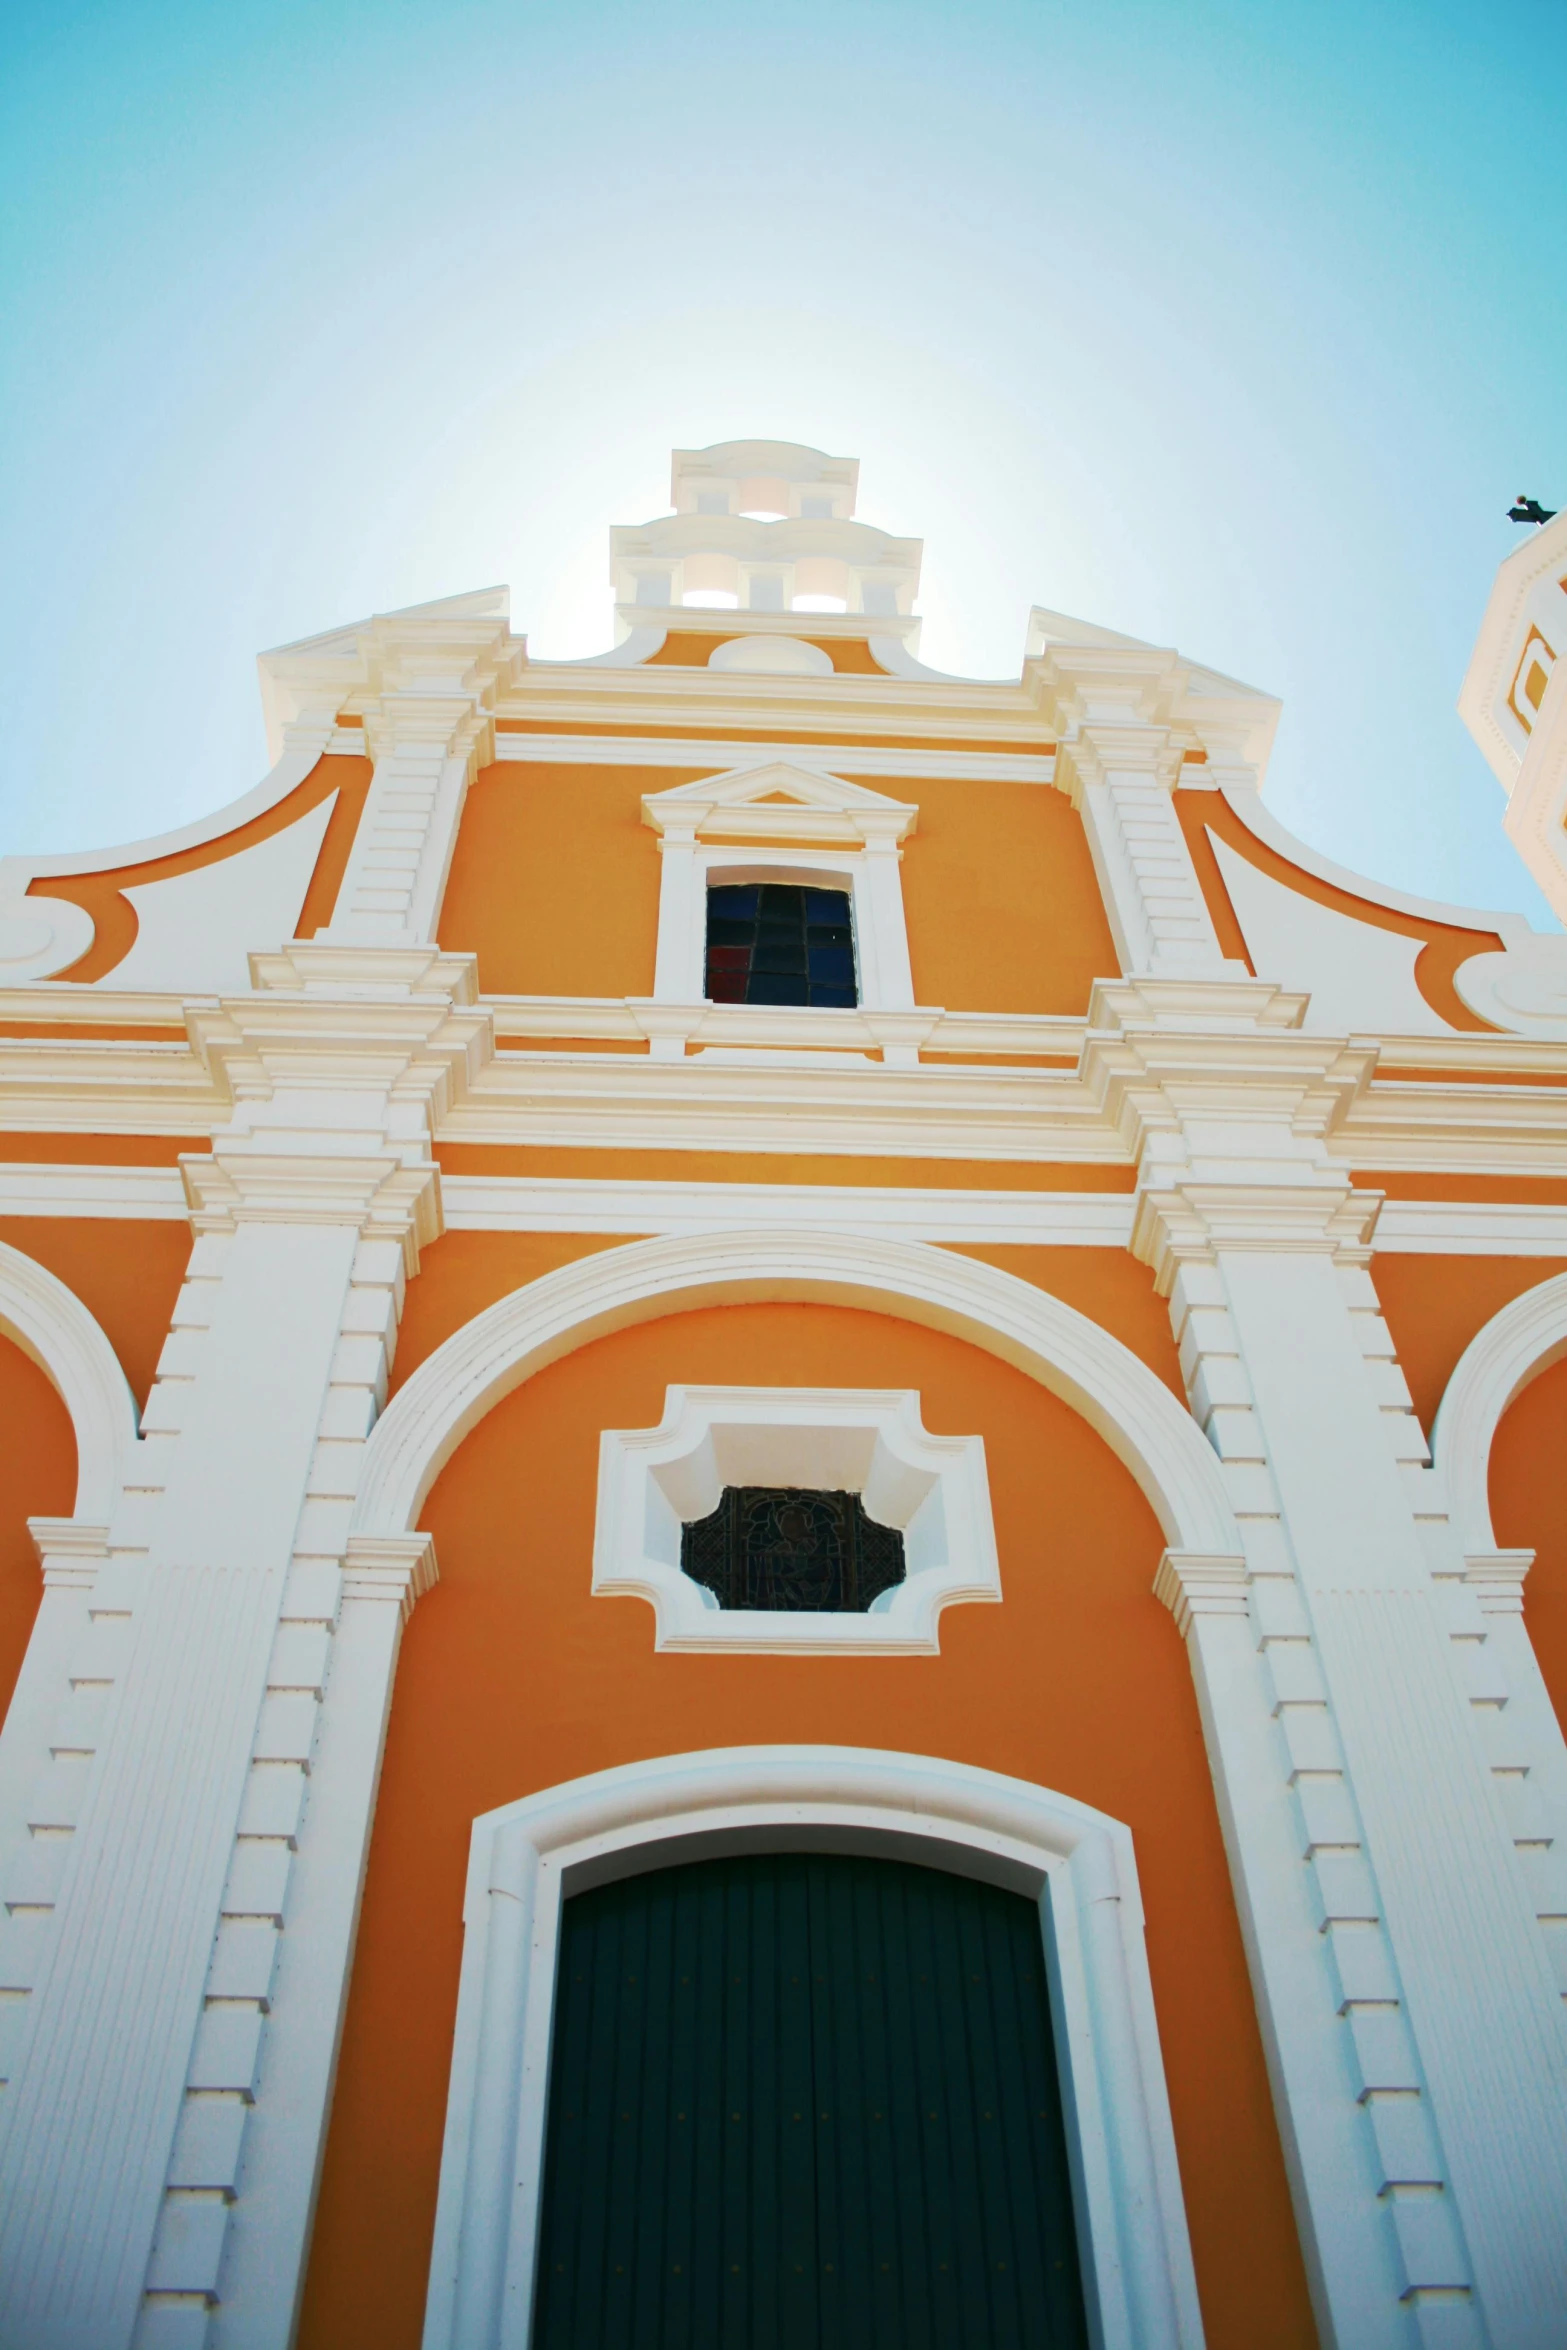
column 777, row 942
column 834, row 964
column 733, row 903
column 788, row 1547
column 778, row 987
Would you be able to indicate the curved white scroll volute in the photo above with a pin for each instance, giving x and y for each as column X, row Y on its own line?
column 1523, row 989
column 40, row 936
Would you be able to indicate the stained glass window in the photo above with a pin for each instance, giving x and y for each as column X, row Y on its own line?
column 783, row 1546
column 775, row 942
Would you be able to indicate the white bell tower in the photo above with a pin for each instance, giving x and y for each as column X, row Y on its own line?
column 762, row 527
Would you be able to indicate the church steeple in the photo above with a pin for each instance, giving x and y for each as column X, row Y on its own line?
column 761, row 526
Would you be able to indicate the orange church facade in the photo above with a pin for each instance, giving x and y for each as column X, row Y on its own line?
column 565, row 1096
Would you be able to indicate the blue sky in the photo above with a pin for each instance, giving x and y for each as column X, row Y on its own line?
column 1232, row 326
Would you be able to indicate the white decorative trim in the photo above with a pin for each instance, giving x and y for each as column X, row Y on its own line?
column 1074, row 1358
column 1470, row 1228
column 769, row 815
column 770, row 656
column 523, row 1203
column 50, row 1323
column 654, row 1481
column 1260, row 821
column 1523, row 989
column 294, row 760
column 778, row 800
column 528, row 1857
column 956, row 1217
column 961, row 764
column 1358, row 974
column 193, row 929
column 38, row 1188
column 1515, row 1346
column 40, row 936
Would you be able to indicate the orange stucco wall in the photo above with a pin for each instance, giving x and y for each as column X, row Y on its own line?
column 126, row 1273
column 851, row 656
column 1003, row 909
column 1433, row 1306
column 39, row 1482
column 678, row 1166
column 554, row 886
column 554, row 880
column 513, row 1678
column 1526, row 1512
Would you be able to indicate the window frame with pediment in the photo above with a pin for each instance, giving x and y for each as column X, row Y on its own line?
column 780, row 822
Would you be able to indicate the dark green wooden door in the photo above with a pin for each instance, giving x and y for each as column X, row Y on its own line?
column 802, row 2101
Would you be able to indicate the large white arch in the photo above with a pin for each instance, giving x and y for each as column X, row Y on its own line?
column 1515, row 1346
column 1066, row 1352
column 50, row 1323
column 529, row 1856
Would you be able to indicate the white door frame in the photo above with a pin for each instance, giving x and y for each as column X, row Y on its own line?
column 529, row 1856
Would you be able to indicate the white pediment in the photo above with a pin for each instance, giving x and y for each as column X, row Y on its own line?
column 778, row 801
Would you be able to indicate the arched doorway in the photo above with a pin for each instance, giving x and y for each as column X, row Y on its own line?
column 802, row 2099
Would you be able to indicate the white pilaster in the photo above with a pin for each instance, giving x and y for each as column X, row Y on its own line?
column 116, row 2008
column 423, row 682
column 678, row 974
column 1448, row 2209
column 882, row 940
column 1119, row 758
column 174, row 2051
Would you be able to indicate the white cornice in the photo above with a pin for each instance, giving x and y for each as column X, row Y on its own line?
column 954, row 1218
column 459, row 646
column 664, row 694
column 761, row 1078
column 613, row 750
column 524, row 1203
column 380, row 1194
column 792, row 1106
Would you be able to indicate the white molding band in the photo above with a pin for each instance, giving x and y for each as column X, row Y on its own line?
column 521, row 1203
column 655, row 1481
column 50, row 1323
column 957, row 1217
column 1515, row 1346
column 1129, row 1406
column 528, row 1857
column 961, row 764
